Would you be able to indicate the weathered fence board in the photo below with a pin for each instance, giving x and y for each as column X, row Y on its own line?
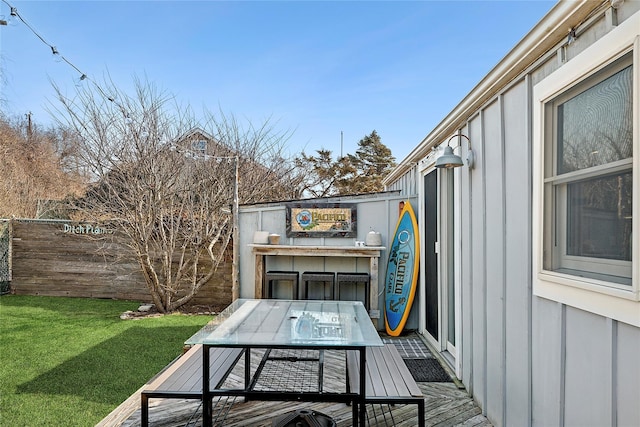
column 48, row 259
column 5, row 271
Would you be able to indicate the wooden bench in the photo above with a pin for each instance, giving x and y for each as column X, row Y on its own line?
column 183, row 378
column 388, row 379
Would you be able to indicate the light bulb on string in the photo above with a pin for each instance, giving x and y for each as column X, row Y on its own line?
column 56, row 54
column 79, row 80
column 13, row 20
column 13, row 17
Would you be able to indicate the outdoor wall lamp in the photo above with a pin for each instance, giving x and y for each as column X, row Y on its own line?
column 616, row 3
column 450, row 160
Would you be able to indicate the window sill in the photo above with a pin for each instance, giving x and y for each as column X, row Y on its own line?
column 612, row 302
column 598, row 281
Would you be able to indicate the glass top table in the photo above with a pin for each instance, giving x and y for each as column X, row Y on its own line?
column 283, row 323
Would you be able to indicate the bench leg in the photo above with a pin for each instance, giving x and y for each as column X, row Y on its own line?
column 421, row 414
column 354, row 413
column 354, row 404
column 207, row 409
column 144, row 411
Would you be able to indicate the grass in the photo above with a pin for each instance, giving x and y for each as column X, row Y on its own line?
column 71, row 361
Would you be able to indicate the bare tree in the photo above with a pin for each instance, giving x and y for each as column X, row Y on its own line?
column 31, row 169
column 172, row 201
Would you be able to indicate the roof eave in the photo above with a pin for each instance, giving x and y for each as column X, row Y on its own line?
column 551, row 29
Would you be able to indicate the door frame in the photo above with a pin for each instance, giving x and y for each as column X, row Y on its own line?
column 449, row 218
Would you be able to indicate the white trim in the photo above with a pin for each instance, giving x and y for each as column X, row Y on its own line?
column 445, row 217
column 587, row 294
column 457, row 268
column 424, row 168
column 613, row 307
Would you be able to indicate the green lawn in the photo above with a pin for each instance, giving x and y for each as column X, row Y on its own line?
column 71, row 361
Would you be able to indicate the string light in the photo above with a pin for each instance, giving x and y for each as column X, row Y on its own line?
column 15, row 16
column 12, row 17
column 80, row 80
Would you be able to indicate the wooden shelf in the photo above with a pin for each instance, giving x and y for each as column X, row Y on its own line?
column 331, row 251
column 371, row 252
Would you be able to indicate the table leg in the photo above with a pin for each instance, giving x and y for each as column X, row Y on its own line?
column 363, row 385
column 247, row 370
column 207, row 414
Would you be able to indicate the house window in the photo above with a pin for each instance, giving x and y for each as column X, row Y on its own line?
column 586, row 135
column 588, row 177
column 199, row 147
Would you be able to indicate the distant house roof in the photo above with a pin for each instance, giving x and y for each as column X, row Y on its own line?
column 199, row 143
column 196, row 133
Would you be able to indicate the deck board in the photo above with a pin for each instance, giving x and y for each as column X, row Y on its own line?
column 446, row 405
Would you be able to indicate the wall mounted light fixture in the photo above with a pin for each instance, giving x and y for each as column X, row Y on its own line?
column 450, row 160
column 616, row 3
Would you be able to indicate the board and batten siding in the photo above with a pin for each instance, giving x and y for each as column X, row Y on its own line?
column 517, row 252
column 582, row 372
column 49, row 261
column 528, row 360
column 496, row 268
column 375, row 212
column 407, row 185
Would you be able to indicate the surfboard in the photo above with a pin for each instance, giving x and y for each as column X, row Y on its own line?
column 401, row 279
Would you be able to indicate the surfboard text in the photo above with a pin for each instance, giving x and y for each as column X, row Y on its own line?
column 398, row 278
column 400, row 271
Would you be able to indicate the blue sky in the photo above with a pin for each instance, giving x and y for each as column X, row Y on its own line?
column 314, row 68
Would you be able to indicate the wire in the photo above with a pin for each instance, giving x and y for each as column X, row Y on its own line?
column 56, row 53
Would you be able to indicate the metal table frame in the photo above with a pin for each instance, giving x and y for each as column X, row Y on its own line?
column 226, row 335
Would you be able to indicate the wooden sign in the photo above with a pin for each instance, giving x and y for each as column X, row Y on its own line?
column 85, row 229
column 321, row 220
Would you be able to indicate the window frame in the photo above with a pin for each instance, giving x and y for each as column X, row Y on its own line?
column 199, row 147
column 556, row 187
column 594, row 294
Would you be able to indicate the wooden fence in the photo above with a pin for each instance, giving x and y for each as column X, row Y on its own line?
column 60, row 258
column 5, row 270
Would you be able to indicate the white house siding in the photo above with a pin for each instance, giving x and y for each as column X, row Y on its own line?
column 475, row 264
column 525, row 359
column 626, row 374
column 547, row 397
column 583, row 373
column 408, row 184
column 496, row 263
column 589, row 366
column 517, row 243
column 588, row 374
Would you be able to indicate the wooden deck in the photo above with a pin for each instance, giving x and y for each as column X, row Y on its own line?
column 446, row 404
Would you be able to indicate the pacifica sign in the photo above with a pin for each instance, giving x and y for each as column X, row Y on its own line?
column 321, row 220
column 89, row 229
